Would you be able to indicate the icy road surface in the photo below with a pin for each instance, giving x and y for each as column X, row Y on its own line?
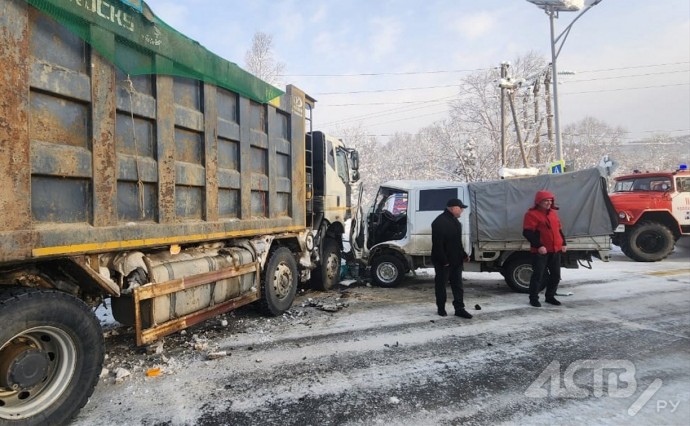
column 616, row 352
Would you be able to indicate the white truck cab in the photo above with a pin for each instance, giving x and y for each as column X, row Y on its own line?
column 398, row 229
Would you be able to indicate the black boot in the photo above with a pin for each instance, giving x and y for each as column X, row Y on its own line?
column 462, row 313
column 442, row 311
column 535, row 303
column 553, row 301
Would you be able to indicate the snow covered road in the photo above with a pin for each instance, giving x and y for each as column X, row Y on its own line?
column 616, row 352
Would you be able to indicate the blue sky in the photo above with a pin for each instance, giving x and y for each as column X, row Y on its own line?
column 631, row 57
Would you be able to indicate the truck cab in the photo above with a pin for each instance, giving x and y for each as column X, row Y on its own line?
column 397, row 238
column 332, row 173
column 653, row 212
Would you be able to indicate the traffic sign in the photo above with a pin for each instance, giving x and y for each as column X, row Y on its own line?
column 557, row 167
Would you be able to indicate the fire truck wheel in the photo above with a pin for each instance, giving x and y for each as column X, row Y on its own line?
column 648, row 242
column 51, row 355
column 327, row 273
column 387, row 271
column 279, row 283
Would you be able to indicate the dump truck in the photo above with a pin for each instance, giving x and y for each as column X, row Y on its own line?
column 140, row 170
column 396, row 234
column 653, row 212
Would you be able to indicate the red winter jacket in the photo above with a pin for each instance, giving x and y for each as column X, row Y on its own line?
column 543, row 227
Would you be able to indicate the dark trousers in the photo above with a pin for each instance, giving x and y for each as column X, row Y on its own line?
column 449, row 274
column 540, row 264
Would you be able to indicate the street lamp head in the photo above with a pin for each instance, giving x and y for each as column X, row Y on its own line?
column 560, row 5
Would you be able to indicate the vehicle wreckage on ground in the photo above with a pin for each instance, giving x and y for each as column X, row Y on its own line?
column 138, row 168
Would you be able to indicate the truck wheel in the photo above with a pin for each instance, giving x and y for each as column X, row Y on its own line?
column 387, row 271
column 648, row 242
column 51, row 355
column 327, row 273
column 279, row 283
column 518, row 273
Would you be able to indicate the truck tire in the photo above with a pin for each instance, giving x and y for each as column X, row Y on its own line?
column 517, row 273
column 278, row 283
column 327, row 272
column 648, row 242
column 387, row 271
column 51, row 356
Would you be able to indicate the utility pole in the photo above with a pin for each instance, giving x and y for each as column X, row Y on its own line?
column 537, row 122
column 504, row 74
column 511, row 99
column 547, row 99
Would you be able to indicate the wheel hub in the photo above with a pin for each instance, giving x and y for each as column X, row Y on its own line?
column 22, row 366
column 387, row 272
column 282, row 281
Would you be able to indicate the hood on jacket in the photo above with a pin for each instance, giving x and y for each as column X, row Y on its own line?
column 544, row 195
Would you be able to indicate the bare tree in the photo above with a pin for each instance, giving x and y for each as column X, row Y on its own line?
column 655, row 153
column 260, row 61
column 588, row 140
column 473, row 131
column 372, row 160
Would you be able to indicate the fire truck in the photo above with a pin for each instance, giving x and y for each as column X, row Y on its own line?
column 653, row 212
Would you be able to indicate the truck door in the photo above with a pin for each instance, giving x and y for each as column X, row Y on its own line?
column 358, row 231
column 681, row 203
column 336, row 189
column 431, row 203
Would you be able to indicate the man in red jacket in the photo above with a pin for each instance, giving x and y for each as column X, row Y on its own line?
column 542, row 228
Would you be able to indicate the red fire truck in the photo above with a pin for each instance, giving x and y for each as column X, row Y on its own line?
column 653, row 212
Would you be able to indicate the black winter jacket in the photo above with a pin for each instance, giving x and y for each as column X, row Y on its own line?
column 446, row 240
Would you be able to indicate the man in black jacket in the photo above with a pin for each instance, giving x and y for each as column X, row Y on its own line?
column 447, row 255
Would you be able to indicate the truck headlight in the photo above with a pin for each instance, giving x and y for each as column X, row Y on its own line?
column 622, row 215
column 309, row 241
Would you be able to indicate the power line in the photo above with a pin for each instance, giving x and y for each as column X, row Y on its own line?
column 626, row 88
column 628, row 76
column 378, row 114
column 402, row 89
column 426, row 101
column 634, row 67
column 370, row 74
column 386, row 90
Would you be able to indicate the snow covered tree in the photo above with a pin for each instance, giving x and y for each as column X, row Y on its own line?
column 473, row 131
column 372, row 168
column 260, row 60
column 588, row 140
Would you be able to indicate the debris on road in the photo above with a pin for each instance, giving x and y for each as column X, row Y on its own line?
column 121, row 374
column 216, row 355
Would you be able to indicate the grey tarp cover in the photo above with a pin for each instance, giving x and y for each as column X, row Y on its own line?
column 500, row 206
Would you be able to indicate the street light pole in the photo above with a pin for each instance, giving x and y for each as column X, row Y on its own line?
column 552, row 7
column 554, row 76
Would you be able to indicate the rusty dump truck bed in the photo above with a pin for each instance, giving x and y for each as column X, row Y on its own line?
column 93, row 160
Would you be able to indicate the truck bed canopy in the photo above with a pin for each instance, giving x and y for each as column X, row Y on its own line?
column 156, row 48
column 500, row 206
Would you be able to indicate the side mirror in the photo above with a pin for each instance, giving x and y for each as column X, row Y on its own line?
column 355, row 161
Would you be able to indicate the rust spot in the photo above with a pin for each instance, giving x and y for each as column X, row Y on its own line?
column 14, row 137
